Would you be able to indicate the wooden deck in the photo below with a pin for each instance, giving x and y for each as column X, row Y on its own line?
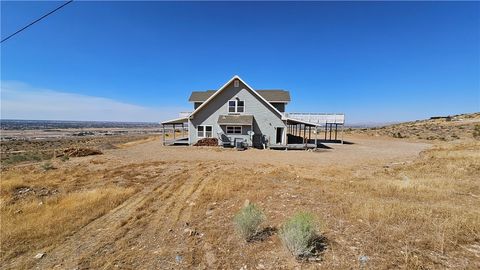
column 179, row 141
column 293, row 146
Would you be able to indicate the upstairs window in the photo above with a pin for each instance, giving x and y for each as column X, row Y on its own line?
column 236, row 106
column 236, row 83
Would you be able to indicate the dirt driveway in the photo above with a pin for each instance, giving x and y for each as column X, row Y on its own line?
column 357, row 150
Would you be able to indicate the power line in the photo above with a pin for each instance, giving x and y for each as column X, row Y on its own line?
column 37, row 20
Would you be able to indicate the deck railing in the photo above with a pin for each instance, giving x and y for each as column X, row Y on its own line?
column 318, row 118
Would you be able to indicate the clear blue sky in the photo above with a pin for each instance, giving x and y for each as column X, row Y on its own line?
column 375, row 61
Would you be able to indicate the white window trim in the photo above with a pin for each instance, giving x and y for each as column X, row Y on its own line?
column 204, row 131
column 236, row 106
column 241, row 130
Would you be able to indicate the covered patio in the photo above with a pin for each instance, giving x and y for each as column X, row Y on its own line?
column 328, row 124
column 171, row 127
column 309, row 130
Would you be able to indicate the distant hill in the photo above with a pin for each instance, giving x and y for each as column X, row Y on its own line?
column 444, row 128
column 11, row 124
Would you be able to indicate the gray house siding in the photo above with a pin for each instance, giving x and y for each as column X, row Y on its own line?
column 196, row 105
column 265, row 121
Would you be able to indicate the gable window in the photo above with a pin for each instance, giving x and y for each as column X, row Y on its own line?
column 236, row 106
column 236, row 83
column 204, row 131
column 234, row 130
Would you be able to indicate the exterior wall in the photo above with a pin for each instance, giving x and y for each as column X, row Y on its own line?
column 279, row 106
column 264, row 123
column 196, row 105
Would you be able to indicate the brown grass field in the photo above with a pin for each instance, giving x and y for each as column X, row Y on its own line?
column 402, row 203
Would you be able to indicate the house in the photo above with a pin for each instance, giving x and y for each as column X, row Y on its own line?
column 238, row 113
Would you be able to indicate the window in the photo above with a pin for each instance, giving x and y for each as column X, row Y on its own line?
column 204, row 131
column 236, row 106
column 240, row 105
column 236, row 83
column 234, row 130
column 232, row 104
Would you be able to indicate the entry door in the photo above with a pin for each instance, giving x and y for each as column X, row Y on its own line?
column 279, row 137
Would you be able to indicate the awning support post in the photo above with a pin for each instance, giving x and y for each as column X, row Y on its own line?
column 326, row 131
column 342, row 133
column 163, row 133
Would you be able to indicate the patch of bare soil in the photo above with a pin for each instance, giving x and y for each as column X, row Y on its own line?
column 379, row 204
column 27, row 151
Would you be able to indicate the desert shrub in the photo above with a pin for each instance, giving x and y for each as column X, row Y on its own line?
column 398, row 135
column 298, row 234
column 248, row 220
column 47, row 166
column 476, row 132
column 22, row 157
column 64, row 158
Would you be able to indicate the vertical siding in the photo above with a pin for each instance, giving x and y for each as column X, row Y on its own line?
column 265, row 118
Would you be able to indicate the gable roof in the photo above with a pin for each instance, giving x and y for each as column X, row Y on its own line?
column 271, row 95
column 225, row 86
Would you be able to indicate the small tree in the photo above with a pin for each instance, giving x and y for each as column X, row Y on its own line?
column 298, row 234
column 248, row 220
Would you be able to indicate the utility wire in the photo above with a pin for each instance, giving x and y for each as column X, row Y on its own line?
column 37, row 20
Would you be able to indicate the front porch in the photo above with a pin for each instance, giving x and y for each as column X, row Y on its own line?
column 176, row 130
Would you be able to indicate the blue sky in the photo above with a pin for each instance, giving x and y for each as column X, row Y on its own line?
column 375, row 61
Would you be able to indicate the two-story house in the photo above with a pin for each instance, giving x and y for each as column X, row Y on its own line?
column 237, row 112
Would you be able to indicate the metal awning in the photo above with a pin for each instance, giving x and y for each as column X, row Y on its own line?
column 175, row 121
column 244, row 120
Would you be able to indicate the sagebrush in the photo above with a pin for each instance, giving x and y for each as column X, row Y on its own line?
column 248, row 220
column 298, row 234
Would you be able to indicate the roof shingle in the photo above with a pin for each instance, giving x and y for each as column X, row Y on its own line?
column 271, row 95
column 245, row 120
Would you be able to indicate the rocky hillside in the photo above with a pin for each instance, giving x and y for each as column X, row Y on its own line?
column 448, row 128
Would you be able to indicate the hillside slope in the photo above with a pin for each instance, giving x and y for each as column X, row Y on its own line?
column 462, row 126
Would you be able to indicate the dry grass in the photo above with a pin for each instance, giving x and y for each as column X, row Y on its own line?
column 34, row 223
column 458, row 127
column 421, row 214
column 417, row 215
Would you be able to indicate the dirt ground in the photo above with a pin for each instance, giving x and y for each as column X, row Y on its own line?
column 181, row 200
column 359, row 150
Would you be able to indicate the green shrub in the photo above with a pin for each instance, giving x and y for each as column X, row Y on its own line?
column 47, row 166
column 298, row 234
column 22, row 157
column 248, row 220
